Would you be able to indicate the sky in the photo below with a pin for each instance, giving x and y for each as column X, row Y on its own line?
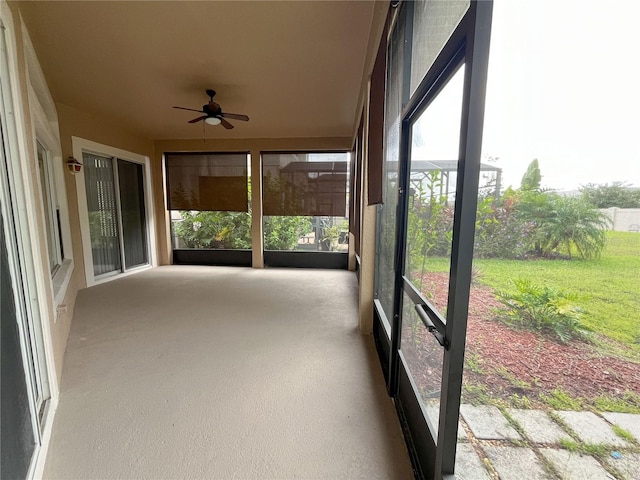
column 563, row 87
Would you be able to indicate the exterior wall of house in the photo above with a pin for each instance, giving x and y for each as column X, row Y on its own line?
column 75, row 123
column 57, row 320
column 70, row 122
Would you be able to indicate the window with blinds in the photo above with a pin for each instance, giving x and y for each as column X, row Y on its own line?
column 207, row 182
column 304, row 183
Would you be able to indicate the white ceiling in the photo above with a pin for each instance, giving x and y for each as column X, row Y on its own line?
column 295, row 67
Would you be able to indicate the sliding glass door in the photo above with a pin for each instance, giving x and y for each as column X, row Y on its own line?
column 437, row 61
column 117, row 215
column 133, row 214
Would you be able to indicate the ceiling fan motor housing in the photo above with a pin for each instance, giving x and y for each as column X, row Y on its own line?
column 213, row 112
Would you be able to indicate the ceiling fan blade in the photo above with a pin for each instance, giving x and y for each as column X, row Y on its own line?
column 214, row 107
column 190, row 109
column 236, row 116
column 196, row 120
column 226, row 124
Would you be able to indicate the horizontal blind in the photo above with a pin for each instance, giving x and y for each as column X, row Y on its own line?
column 207, row 182
column 312, row 184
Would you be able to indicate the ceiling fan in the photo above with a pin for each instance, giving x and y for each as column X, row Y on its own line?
column 213, row 114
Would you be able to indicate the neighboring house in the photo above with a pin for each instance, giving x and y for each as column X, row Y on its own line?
column 62, row 232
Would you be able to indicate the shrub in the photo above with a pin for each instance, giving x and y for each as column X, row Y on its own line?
column 430, row 222
column 201, row 229
column 282, row 232
column 618, row 194
column 542, row 309
column 559, row 225
column 499, row 231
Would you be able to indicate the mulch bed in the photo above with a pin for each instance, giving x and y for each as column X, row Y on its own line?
column 508, row 361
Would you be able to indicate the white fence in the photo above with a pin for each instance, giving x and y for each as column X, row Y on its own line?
column 623, row 219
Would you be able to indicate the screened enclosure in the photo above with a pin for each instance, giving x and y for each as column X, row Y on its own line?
column 305, row 207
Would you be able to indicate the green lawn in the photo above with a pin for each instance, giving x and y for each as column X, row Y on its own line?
column 608, row 287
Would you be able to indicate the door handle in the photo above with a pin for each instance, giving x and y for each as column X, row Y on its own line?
column 424, row 316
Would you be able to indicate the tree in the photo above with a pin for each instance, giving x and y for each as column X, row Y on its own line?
column 618, row 194
column 532, row 177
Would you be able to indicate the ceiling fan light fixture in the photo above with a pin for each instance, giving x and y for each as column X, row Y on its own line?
column 212, row 120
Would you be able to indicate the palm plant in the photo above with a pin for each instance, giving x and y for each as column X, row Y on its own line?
column 561, row 224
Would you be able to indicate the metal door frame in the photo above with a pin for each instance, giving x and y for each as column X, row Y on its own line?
column 468, row 44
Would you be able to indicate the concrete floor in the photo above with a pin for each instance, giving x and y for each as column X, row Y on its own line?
column 223, row 373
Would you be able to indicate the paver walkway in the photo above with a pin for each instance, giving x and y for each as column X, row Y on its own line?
column 534, row 444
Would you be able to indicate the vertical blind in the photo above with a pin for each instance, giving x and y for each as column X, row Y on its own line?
column 304, row 183
column 103, row 213
column 207, row 181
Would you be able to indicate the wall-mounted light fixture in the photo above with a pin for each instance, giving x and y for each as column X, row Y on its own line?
column 74, row 165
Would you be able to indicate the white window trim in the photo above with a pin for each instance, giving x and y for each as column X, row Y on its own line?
column 50, row 208
column 35, row 283
column 45, row 121
column 80, row 146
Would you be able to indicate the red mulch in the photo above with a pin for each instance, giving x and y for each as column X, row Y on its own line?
column 519, row 362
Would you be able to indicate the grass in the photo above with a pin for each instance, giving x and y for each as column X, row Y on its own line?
column 595, row 449
column 623, row 434
column 608, row 287
column 473, row 363
column 629, row 402
column 558, row 399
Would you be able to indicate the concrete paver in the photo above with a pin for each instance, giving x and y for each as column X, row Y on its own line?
column 591, row 429
column 433, row 412
column 488, row 423
column 468, row 464
column 628, row 465
column 537, row 426
column 514, row 463
column 489, row 430
column 628, row 421
column 573, row 466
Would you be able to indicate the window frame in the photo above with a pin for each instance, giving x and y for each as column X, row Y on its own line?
column 35, row 297
column 50, row 207
column 45, row 121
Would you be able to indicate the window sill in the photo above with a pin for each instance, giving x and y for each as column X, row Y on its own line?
column 60, row 281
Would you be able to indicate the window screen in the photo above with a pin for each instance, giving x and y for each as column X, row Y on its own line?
column 207, row 181
column 313, row 184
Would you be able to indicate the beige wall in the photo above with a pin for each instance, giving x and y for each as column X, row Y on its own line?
column 74, row 123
